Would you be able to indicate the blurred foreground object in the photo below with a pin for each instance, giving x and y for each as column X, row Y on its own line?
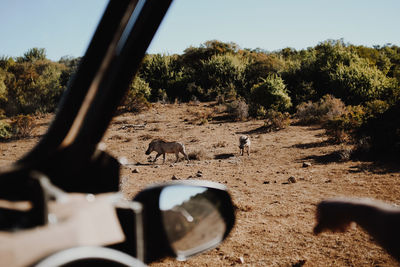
column 380, row 220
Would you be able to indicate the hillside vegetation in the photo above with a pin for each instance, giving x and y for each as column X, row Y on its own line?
column 353, row 91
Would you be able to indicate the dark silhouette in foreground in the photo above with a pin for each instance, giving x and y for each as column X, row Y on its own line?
column 380, row 220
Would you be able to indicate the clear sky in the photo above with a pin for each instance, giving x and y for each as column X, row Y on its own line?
column 64, row 27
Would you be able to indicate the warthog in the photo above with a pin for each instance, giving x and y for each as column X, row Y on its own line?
column 162, row 147
column 244, row 141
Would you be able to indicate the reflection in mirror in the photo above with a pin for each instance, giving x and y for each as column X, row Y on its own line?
column 191, row 219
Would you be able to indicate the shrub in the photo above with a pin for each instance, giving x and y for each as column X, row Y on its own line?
column 158, row 71
column 198, row 155
column 260, row 112
column 375, row 107
column 341, row 129
column 238, row 109
column 3, row 86
column 358, row 82
column 5, row 130
column 137, row 104
column 327, row 108
column 276, row 120
column 307, row 113
column 271, row 94
column 136, row 99
column 31, row 87
column 220, row 75
column 382, row 133
column 22, row 126
column 345, row 128
column 337, row 135
column 260, row 65
column 331, row 107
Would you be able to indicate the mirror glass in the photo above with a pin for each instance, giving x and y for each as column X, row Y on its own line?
column 191, row 218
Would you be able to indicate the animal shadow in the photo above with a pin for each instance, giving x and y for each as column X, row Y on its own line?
column 224, row 156
column 259, row 130
column 335, row 156
column 142, row 164
column 312, row 145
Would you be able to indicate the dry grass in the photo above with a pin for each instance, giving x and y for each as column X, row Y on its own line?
column 145, row 137
column 198, row 155
column 200, row 116
column 220, row 144
column 155, row 129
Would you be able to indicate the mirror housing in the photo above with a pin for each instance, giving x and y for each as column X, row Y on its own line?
column 157, row 238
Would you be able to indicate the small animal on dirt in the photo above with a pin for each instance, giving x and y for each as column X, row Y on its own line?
column 244, row 142
column 162, row 147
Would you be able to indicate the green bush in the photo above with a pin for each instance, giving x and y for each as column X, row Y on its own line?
column 358, row 82
column 271, row 94
column 259, row 111
column 32, row 87
column 5, row 130
column 220, row 75
column 258, row 67
column 335, row 68
column 3, row 87
column 136, row 99
column 375, row 107
column 276, row 120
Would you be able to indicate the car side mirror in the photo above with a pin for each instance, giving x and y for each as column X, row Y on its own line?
column 184, row 218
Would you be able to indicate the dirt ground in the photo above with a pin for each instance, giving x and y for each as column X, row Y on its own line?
column 274, row 218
